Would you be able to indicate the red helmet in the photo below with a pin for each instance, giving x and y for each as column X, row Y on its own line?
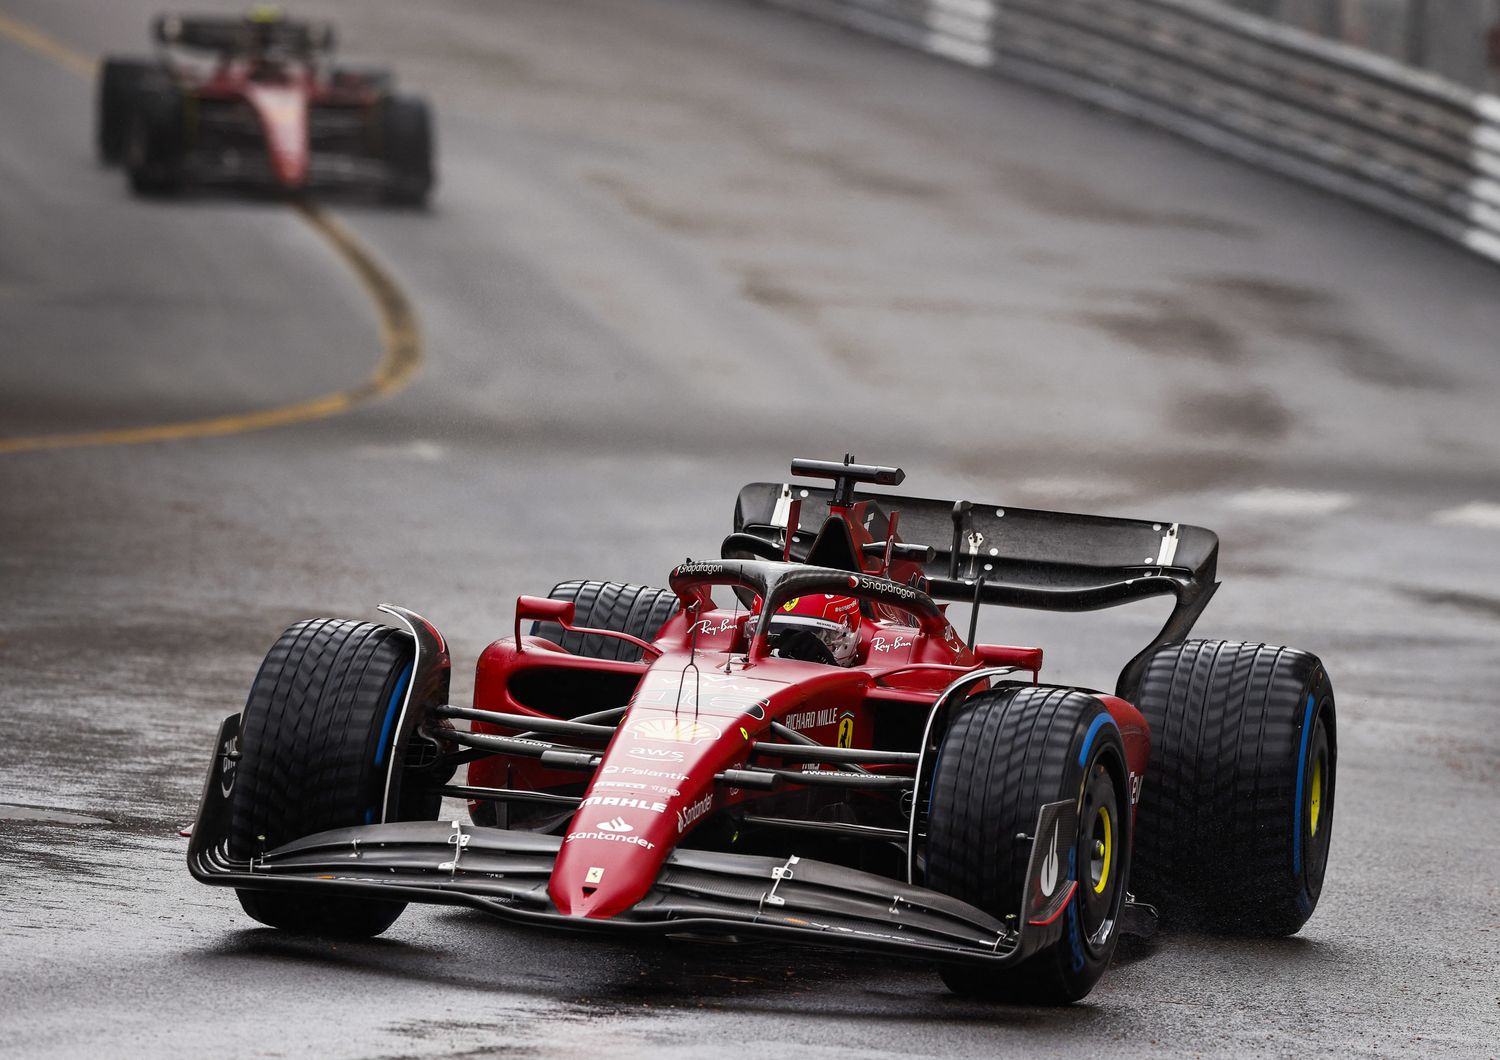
column 817, row 628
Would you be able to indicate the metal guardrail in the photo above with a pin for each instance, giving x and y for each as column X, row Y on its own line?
column 1367, row 128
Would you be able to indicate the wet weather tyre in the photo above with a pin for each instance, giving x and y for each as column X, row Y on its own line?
column 638, row 610
column 1236, row 810
column 117, row 85
column 315, row 747
column 1011, row 751
column 406, row 135
column 156, row 137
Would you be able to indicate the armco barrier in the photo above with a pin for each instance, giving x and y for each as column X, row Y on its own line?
column 1362, row 126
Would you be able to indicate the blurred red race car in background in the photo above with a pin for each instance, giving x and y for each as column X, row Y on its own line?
column 257, row 100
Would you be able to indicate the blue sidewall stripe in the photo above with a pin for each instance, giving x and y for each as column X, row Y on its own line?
column 390, row 713
column 937, row 764
column 1301, row 773
column 1088, row 741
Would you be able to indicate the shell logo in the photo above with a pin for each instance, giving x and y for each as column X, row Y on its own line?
column 674, row 730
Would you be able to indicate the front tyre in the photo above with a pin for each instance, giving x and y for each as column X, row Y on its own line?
column 316, row 743
column 407, row 140
column 1008, row 753
column 156, row 137
column 1236, row 813
column 115, row 94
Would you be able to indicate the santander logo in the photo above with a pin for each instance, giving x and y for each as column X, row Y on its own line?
column 690, row 814
column 619, row 824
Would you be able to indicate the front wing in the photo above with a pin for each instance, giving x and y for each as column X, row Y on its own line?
column 697, row 893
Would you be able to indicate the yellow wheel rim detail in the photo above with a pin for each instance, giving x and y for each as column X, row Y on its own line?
column 1315, row 797
column 1109, row 850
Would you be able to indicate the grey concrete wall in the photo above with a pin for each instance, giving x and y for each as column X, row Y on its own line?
column 1455, row 38
column 1449, row 37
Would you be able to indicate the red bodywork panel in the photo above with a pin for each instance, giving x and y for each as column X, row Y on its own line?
column 689, row 720
column 1137, row 737
column 282, row 110
column 282, row 97
column 695, row 709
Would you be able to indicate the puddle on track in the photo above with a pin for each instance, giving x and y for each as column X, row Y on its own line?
column 44, row 815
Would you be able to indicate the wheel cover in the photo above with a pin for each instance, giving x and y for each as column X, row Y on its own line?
column 1315, row 797
column 1102, row 855
column 1099, row 894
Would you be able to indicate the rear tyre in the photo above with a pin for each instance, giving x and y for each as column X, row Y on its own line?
column 1236, row 812
column 156, row 139
column 638, row 610
column 117, row 85
column 315, row 745
column 1011, row 751
column 406, row 136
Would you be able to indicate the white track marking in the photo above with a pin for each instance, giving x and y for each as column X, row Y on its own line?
column 1276, row 501
column 1485, row 515
column 418, row 449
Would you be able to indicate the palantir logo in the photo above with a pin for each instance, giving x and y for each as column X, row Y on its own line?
column 619, row 824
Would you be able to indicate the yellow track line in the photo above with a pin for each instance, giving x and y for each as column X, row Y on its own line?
column 400, row 336
column 44, row 44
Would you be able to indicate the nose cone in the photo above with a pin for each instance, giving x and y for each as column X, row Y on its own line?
column 608, row 862
column 656, row 782
column 283, row 118
column 631, row 819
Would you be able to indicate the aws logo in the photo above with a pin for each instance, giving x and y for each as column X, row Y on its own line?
column 656, row 754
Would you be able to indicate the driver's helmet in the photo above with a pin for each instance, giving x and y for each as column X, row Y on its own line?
column 263, row 25
column 817, row 628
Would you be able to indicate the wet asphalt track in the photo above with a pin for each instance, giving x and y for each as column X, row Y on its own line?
column 676, row 244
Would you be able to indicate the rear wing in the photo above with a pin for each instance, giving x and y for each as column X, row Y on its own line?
column 1015, row 557
column 231, row 35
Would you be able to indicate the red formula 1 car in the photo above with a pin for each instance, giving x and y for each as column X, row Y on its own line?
column 792, row 742
column 256, row 100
